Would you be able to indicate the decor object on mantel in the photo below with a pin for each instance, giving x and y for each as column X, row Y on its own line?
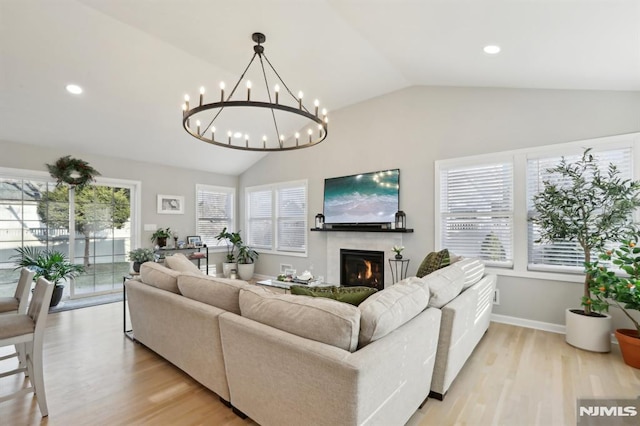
column 593, row 208
column 401, row 220
column 72, row 171
column 228, row 114
column 621, row 291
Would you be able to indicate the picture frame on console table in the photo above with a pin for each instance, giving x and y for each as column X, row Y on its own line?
column 170, row 204
column 194, row 240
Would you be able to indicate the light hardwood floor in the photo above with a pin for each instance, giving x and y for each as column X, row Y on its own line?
column 94, row 375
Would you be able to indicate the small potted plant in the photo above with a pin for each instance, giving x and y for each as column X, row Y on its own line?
column 398, row 251
column 139, row 256
column 50, row 264
column 160, row 236
column 246, row 259
column 620, row 289
column 231, row 239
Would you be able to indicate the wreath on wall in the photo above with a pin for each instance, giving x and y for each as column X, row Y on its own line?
column 72, row 171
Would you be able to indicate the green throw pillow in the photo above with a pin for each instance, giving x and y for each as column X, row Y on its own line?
column 352, row 295
column 303, row 290
column 433, row 262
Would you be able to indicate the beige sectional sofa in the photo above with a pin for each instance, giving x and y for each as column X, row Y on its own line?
column 284, row 359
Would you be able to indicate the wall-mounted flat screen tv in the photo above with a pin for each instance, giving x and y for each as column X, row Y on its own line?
column 367, row 198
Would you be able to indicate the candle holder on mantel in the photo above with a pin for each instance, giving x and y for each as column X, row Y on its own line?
column 319, row 221
column 401, row 220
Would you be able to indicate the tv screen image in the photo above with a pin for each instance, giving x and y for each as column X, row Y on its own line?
column 365, row 198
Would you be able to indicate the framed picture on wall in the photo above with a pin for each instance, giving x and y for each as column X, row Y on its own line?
column 170, row 204
column 194, row 240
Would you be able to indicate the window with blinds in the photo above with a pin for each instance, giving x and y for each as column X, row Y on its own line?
column 563, row 256
column 277, row 217
column 476, row 212
column 214, row 212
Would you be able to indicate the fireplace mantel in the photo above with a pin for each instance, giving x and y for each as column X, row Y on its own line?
column 362, row 229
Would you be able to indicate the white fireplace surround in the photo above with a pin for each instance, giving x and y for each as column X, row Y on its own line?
column 378, row 241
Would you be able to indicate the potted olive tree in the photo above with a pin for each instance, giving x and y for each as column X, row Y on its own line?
column 50, row 264
column 592, row 208
column 620, row 289
column 140, row 256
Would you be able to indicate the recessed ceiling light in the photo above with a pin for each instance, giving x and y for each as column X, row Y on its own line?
column 74, row 88
column 492, row 49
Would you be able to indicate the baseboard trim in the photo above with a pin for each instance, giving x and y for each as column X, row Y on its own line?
column 536, row 325
column 521, row 322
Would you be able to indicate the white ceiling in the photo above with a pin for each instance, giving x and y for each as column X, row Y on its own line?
column 136, row 59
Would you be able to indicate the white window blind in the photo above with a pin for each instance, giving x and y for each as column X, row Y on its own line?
column 277, row 217
column 563, row 256
column 476, row 211
column 214, row 212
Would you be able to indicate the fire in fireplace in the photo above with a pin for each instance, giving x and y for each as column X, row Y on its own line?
column 362, row 268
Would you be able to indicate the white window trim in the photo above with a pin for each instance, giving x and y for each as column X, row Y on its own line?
column 234, row 219
column 273, row 187
column 519, row 158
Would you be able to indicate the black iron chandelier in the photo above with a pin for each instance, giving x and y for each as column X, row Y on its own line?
column 277, row 124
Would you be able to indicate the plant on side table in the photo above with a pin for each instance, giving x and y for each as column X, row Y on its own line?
column 622, row 290
column 160, row 236
column 593, row 208
column 140, row 256
column 50, row 264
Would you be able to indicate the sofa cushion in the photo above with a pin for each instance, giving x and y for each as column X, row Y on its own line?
column 433, row 262
column 179, row 262
column 444, row 285
column 388, row 309
column 159, row 276
column 314, row 318
column 222, row 293
column 473, row 269
column 353, row 295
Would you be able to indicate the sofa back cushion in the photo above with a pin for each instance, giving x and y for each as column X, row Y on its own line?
column 388, row 309
column 222, row 293
column 473, row 269
column 445, row 284
column 159, row 276
column 179, row 262
column 315, row 318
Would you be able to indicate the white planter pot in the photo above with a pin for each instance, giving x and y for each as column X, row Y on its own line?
column 245, row 270
column 588, row 333
column 227, row 267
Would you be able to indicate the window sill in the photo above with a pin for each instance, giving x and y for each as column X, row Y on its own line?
column 549, row 276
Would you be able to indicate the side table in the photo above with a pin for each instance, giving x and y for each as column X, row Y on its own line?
column 128, row 333
column 399, row 269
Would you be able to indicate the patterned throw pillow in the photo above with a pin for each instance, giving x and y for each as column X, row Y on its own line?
column 433, row 262
column 352, row 295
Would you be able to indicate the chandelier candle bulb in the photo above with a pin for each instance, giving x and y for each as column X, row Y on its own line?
column 198, row 126
column 310, row 132
column 201, row 94
column 246, row 140
column 300, row 95
column 277, row 90
column 213, row 133
column 229, row 134
column 248, row 90
column 186, row 101
column 222, row 91
column 297, row 137
column 316, row 103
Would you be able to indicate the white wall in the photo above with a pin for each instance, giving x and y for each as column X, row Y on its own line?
column 412, row 128
column 156, row 179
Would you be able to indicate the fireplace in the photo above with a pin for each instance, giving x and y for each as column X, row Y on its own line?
column 362, row 268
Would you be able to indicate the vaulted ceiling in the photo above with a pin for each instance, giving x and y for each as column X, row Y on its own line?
column 135, row 60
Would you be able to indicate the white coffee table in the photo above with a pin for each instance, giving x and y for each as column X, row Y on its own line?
column 287, row 285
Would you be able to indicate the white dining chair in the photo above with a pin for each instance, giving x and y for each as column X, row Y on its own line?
column 18, row 303
column 26, row 332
